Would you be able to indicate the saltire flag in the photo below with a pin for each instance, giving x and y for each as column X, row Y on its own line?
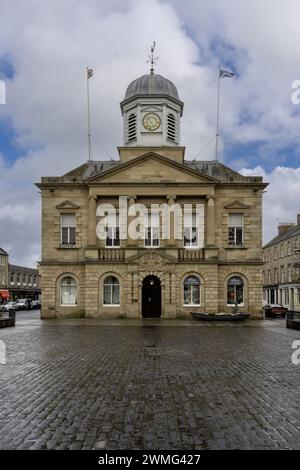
column 226, row 73
column 90, row 73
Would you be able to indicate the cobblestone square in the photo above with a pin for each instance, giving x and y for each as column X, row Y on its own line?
column 86, row 384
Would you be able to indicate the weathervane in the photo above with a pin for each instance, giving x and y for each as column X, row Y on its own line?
column 152, row 59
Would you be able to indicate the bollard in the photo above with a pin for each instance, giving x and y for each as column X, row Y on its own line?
column 290, row 315
column 12, row 316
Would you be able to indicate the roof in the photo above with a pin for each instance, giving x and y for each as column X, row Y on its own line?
column 219, row 171
column 3, row 252
column 151, row 84
column 212, row 168
column 292, row 232
column 13, row 268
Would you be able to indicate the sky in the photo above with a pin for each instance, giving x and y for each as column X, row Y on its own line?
column 45, row 48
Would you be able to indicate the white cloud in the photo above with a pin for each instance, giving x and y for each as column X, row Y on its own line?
column 281, row 202
column 51, row 44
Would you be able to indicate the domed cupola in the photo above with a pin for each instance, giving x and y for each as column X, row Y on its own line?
column 151, row 112
column 152, row 84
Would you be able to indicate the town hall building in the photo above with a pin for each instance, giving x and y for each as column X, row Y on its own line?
column 106, row 252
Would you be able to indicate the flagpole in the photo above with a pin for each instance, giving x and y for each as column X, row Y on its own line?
column 88, row 110
column 218, row 114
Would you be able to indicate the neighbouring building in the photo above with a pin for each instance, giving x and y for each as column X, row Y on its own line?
column 281, row 273
column 91, row 267
column 17, row 282
column 4, row 293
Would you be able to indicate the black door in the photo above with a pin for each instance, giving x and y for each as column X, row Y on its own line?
column 151, row 297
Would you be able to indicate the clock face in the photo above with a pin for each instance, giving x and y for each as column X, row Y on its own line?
column 151, row 121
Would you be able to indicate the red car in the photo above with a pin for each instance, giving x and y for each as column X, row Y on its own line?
column 275, row 310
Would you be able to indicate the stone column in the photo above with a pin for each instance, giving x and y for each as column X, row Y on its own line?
column 171, row 202
column 92, row 238
column 210, row 222
column 131, row 202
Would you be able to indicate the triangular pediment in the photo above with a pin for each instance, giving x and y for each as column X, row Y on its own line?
column 67, row 205
column 151, row 258
column 151, row 168
column 236, row 205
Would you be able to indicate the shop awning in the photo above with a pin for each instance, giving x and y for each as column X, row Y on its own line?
column 4, row 294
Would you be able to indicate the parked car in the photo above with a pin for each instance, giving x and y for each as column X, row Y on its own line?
column 24, row 304
column 36, row 304
column 10, row 306
column 275, row 310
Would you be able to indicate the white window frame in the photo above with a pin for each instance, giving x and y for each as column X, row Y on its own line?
column 192, row 291
column 114, row 227
column 111, row 285
column 235, row 227
column 68, row 285
column 190, row 224
column 241, row 304
column 154, row 230
column 68, row 227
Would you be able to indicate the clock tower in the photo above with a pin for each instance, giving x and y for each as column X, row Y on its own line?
column 151, row 112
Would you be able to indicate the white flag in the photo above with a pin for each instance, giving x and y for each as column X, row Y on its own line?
column 226, row 73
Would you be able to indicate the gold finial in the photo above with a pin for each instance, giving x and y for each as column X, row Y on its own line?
column 152, row 59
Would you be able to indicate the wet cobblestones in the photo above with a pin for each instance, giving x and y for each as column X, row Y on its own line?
column 77, row 386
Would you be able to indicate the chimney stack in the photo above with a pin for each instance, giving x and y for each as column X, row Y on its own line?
column 284, row 227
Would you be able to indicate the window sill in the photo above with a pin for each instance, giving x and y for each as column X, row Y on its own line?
column 237, row 247
column 111, row 305
column 233, row 305
column 191, row 305
column 68, row 247
column 68, row 305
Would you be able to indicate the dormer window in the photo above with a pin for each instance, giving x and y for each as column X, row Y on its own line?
column 171, row 127
column 131, row 131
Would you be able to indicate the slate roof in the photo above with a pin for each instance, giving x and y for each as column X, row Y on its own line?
column 212, row 168
column 292, row 232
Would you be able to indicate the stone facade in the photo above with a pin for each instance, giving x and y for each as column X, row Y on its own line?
column 281, row 273
column 76, row 264
column 18, row 281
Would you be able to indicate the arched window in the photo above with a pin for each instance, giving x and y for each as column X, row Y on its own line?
column 191, row 291
column 235, row 291
column 171, row 127
column 111, row 291
column 68, row 291
column 131, row 131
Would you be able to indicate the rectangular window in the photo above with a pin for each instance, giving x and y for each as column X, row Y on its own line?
column 24, row 280
column 286, row 297
column 34, row 281
column 191, row 232
column 151, row 230
column 2, row 260
column 289, row 273
column 29, row 280
column 235, row 230
column 68, row 226
column 111, row 294
column 12, row 279
column 18, row 279
column 112, row 229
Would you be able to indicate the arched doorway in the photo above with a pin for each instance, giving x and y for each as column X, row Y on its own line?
column 151, row 297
